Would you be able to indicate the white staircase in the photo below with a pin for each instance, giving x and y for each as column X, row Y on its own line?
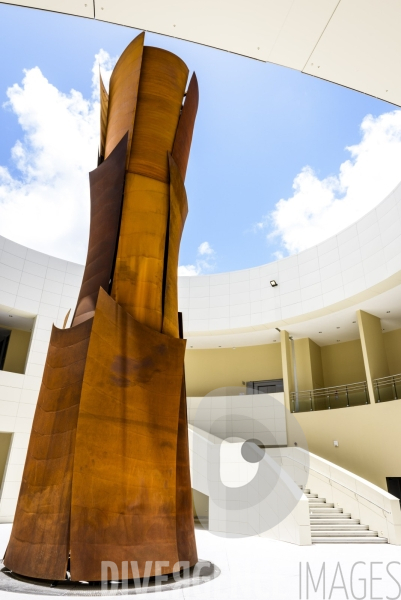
column 330, row 525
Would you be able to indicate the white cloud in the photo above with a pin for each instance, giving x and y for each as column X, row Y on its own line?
column 202, row 265
column 188, row 270
column 320, row 208
column 205, row 249
column 44, row 199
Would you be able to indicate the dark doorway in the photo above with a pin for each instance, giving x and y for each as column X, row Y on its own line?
column 4, row 339
column 267, row 386
column 394, row 487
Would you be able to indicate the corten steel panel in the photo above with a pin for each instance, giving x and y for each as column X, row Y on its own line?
column 107, row 188
column 123, row 94
column 138, row 274
column 39, row 542
column 177, row 215
column 186, row 542
column 124, row 484
column 104, row 108
column 185, row 129
column 160, row 95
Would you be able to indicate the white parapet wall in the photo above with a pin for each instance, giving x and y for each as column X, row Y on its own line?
column 247, row 498
column 257, row 416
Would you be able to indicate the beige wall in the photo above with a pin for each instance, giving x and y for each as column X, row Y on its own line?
column 316, row 365
column 368, row 436
column 207, row 370
column 5, row 440
column 392, row 345
column 200, row 504
column 303, row 364
column 309, row 364
column 374, row 353
column 342, row 363
column 17, row 351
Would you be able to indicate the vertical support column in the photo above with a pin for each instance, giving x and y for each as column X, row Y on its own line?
column 374, row 354
column 286, row 359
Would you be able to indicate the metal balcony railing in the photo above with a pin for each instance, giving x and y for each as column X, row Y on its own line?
column 387, row 388
column 340, row 396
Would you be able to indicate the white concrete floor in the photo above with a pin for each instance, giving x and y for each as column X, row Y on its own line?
column 261, row 569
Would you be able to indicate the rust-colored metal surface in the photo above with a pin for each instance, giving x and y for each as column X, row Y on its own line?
column 186, row 542
column 39, row 542
column 124, row 484
column 107, row 188
column 161, row 91
column 185, row 129
column 177, row 215
column 123, row 94
column 107, row 473
column 104, row 109
column 138, row 275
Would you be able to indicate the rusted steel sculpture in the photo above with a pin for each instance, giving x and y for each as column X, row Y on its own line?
column 107, row 472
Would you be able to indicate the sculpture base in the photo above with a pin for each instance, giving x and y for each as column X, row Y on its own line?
column 11, row 582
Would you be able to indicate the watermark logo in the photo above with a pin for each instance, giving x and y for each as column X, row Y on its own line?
column 355, row 580
column 152, row 576
column 241, row 462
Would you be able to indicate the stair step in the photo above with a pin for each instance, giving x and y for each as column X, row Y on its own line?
column 325, row 514
column 344, row 533
column 330, row 525
column 349, row 540
column 341, row 520
column 325, row 511
column 339, row 526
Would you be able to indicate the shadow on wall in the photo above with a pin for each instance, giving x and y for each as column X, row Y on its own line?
column 14, row 347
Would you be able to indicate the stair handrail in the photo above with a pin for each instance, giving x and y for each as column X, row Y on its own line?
column 350, row 490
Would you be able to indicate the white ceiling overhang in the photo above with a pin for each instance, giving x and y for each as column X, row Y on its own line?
column 354, row 43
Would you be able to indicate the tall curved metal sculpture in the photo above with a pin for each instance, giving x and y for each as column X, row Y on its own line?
column 107, row 471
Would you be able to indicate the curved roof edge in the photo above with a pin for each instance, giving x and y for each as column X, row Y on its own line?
column 353, row 43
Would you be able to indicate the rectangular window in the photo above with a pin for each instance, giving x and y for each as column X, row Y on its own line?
column 14, row 347
column 4, row 339
column 394, row 487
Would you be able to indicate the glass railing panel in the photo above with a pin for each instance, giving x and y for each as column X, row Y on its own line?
column 343, row 396
column 387, row 388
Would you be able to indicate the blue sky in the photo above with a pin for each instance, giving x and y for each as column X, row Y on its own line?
column 258, row 127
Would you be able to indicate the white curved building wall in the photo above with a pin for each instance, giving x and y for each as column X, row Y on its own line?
column 361, row 262
column 32, row 284
column 352, row 266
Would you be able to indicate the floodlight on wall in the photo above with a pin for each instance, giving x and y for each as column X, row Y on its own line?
column 273, row 283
